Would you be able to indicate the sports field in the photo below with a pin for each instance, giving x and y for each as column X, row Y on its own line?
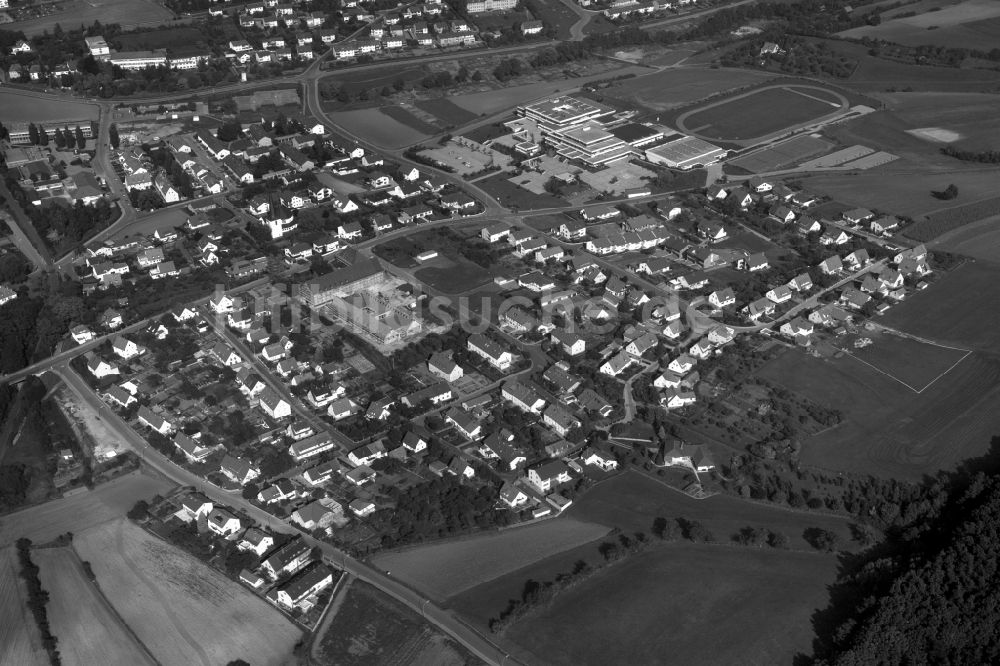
column 127, row 13
column 20, row 642
column 17, row 106
column 87, row 628
column 671, row 88
column 762, row 112
column 444, row 569
column 376, row 127
column 784, row 154
column 186, row 613
column 888, row 429
column 684, row 604
column 973, row 24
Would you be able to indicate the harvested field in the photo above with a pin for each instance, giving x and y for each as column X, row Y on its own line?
column 371, row 627
column 87, row 628
column 377, row 128
column 448, row 112
column 887, row 429
column 20, row 642
column 15, row 106
column 973, row 24
column 699, row 604
column 784, row 154
column 185, row 612
column 128, row 13
column 444, row 569
column 910, row 362
column 109, row 501
column 907, row 193
column 671, row 88
column 762, row 112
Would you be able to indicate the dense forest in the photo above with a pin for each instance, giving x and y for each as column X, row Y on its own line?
column 929, row 593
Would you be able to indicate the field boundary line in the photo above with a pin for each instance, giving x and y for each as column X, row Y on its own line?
column 812, row 97
column 880, row 370
column 904, row 334
column 950, row 368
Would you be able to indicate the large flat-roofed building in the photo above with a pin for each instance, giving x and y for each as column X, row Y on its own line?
column 481, row 6
column 137, row 59
column 341, row 282
column 590, row 144
column 638, row 135
column 560, row 113
column 684, row 152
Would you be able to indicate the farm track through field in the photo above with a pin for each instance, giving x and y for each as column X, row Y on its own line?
column 158, row 595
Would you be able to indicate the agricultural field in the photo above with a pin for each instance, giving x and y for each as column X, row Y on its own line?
column 672, row 88
column 17, row 107
column 784, row 154
column 107, row 502
column 375, row 127
column 370, row 627
column 948, row 311
column 86, row 626
column 449, row 113
column 895, row 356
column 980, row 240
column 631, row 501
column 954, row 219
column 888, row 429
column 128, row 13
column 699, row 604
column 20, row 642
column 967, row 121
column 444, row 569
column 762, row 112
column 972, row 24
column 906, row 193
column 185, row 612
column 703, row 604
column 404, row 116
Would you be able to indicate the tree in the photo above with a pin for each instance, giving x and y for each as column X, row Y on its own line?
column 113, row 135
column 59, row 139
column 139, row 510
column 777, row 540
column 33, row 133
column 43, row 137
column 821, row 539
column 81, row 142
column 947, row 194
column 70, row 138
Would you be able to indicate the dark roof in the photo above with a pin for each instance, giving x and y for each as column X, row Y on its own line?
column 633, row 132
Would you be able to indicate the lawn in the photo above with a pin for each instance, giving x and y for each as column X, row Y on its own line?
column 911, row 362
column 402, row 115
column 370, row 627
column 17, row 107
column 888, row 430
column 184, row 611
column 84, row 623
column 20, row 642
column 127, row 13
column 671, row 88
column 699, row 604
column 762, row 112
column 445, row 569
column 377, row 128
column 974, row 24
column 461, row 276
column 75, row 514
column 514, row 196
column 164, row 38
column 451, row 114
